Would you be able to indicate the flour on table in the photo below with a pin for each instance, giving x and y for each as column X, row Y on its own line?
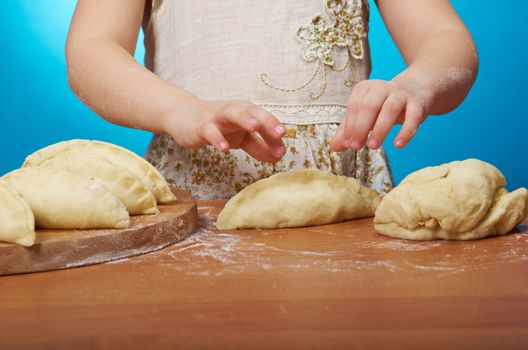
column 210, row 253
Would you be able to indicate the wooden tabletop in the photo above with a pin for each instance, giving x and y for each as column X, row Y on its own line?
column 333, row 286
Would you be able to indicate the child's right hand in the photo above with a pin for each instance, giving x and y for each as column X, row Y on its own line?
column 228, row 125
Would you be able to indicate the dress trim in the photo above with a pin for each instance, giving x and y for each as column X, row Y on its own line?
column 305, row 114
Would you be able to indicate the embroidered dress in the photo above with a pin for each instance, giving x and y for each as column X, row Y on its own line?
column 297, row 59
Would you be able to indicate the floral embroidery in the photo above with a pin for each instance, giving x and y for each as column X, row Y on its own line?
column 349, row 26
column 321, row 38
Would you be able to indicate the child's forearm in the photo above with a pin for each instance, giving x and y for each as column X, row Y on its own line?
column 106, row 77
column 442, row 71
column 111, row 82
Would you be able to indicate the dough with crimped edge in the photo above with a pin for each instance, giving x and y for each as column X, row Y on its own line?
column 148, row 174
column 17, row 224
column 461, row 200
column 62, row 200
column 294, row 199
column 119, row 180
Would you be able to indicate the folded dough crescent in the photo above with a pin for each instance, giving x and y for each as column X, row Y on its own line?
column 460, row 200
column 148, row 174
column 295, row 199
column 17, row 224
column 62, row 200
column 119, row 180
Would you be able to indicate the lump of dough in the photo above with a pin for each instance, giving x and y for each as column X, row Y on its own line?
column 148, row 174
column 62, row 200
column 119, row 180
column 294, row 199
column 17, row 224
column 460, row 200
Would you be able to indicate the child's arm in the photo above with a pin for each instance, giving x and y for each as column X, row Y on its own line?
column 103, row 74
column 443, row 65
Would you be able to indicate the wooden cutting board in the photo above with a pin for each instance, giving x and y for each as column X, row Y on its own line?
column 61, row 249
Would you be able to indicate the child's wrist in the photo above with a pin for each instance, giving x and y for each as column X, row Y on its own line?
column 174, row 115
column 421, row 88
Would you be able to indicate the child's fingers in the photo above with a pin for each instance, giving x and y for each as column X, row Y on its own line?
column 274, row 144
column 359, row 92
column 269, row 125
column 414, row 115
column 337, row 141
column 258, row 149
column 212, row 135
column 271, row 131
column 239, row 118
column 366, row 117
column 391, row 110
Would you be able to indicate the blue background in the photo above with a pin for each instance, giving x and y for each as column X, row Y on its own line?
column 38, row 108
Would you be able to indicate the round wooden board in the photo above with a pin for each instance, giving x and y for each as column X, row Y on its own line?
column 61, row 249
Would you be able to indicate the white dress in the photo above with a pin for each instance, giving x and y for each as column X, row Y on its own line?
column 299, row 59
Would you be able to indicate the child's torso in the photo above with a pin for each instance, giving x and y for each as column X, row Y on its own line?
column 299, row 59
column 263, row 51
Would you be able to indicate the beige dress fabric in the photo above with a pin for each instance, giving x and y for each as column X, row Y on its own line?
column 299, row 59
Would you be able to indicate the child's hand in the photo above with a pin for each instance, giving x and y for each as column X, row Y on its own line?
column 377, row 105
column 229, row 125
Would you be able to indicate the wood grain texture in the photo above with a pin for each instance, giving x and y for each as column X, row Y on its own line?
column 60, row 249
column 336, row 286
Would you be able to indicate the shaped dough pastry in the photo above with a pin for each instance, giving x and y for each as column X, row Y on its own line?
column 303, row 198
column 460, row 200
column 149, row 175
column 62, row 200
column 119, row 180
column 17, row 224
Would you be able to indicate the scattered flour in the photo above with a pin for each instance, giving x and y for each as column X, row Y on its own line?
column 210, row 253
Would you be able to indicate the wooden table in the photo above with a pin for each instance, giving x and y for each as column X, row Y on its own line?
column 334, row 286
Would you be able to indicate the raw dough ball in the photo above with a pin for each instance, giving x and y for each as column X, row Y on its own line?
column 303, row 198
column 149, row 175
column 119, row 180
column 17, row 224
column 460, row 200
column 62, row 200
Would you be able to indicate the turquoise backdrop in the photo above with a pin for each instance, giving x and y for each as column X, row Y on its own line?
column 38, row 107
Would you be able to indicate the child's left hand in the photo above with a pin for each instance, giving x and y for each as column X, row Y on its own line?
column 376, row 105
